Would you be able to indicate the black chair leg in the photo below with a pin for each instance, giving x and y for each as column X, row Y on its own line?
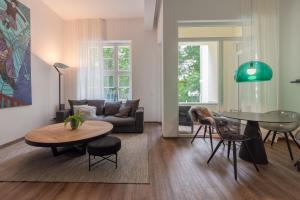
column 211, row 140
column 251, row 156
column 267, row 136
column 196, row 134
column 214, row 152
column 288, row 144
column 205, row 129
column 228, row 151
column 234, row 160
column 293, row 137
column 273, row 139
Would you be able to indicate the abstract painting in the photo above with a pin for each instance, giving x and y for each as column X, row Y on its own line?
column 15, row 54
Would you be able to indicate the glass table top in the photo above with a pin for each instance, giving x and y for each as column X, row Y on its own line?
column 272, row 117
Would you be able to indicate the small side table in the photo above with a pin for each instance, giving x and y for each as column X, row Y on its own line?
column 61, row 115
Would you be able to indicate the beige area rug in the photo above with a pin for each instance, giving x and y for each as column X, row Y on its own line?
column 21, row 162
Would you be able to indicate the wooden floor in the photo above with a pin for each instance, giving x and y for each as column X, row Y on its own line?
column 178, row 170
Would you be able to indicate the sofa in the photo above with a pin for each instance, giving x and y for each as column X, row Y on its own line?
column 110, row 112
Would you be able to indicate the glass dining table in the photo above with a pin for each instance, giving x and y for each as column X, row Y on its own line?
column 253, row 131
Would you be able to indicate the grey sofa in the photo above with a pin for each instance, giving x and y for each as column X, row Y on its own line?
column 134, row 123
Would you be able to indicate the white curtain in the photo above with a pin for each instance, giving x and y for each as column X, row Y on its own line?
column 260, row 42
column 83, row 52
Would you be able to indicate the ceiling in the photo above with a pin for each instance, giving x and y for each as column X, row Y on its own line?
column 106, row 9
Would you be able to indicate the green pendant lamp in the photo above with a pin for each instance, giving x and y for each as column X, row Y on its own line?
column 253, row 71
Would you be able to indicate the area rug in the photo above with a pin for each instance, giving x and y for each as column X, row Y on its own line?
column 21, row 162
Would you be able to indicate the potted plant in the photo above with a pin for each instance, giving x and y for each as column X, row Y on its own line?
column 75, row 120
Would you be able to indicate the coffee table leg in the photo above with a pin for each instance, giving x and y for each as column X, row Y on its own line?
column 255, row 145
column 79, row 150
column 54, row 151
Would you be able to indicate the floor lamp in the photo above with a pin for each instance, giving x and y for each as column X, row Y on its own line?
column 58, row 67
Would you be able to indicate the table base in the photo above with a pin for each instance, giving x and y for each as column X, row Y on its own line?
column 78, row 150
column 256, row 145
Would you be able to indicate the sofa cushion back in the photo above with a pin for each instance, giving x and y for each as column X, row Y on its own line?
column 99, row 104
column 76, row 103
column 134, row 104
column 112, row 108
column 124, row 111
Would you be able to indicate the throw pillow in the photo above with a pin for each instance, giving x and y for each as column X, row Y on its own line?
column 99, row 104
column 123, row 111
column 76, row 102
column 112, row 108
column 134, row 104
column 87, row 112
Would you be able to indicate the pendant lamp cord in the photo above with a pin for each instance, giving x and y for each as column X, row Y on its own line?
column 251, row 40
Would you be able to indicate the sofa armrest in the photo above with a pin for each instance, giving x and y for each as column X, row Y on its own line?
column 139, row 120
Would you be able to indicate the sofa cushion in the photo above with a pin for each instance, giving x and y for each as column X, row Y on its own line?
column 87, row 112
column 99, row 118
column 112, row 108
column 134, row 104
column 124, row 111
column 76, row 102
column 99, row 104
column 117, row 121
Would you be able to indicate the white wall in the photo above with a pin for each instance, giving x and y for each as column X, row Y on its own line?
column 289, row 55
column 174, row 11
column 46, row 47
column 146, row 54
column 160, row 24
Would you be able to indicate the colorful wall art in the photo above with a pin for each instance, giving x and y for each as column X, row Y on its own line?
column 15, row 54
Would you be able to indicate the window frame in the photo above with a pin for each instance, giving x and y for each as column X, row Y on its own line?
column 116, row 72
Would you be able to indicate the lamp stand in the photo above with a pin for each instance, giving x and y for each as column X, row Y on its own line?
column 61, row 106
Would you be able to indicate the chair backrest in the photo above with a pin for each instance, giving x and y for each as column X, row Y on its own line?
column 198, row 113
column 283, row 126
column 225, row 126
column 221, row 126
column 291, row 114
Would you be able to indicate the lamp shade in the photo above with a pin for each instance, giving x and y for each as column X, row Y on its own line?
column 60, row 65
column 253, row 71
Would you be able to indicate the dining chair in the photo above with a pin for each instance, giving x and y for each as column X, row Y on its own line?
column 230, row 131
column 282, row 128
column 204, row 118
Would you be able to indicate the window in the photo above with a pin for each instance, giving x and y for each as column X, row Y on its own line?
column 198, row 72
column 117, row 71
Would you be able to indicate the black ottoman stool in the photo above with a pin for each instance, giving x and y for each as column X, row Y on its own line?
column 104, row 148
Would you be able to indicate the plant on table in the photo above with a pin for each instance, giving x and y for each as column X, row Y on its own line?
column 75, row 120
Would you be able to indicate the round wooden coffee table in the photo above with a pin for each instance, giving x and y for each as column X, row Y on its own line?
column 58, row 135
